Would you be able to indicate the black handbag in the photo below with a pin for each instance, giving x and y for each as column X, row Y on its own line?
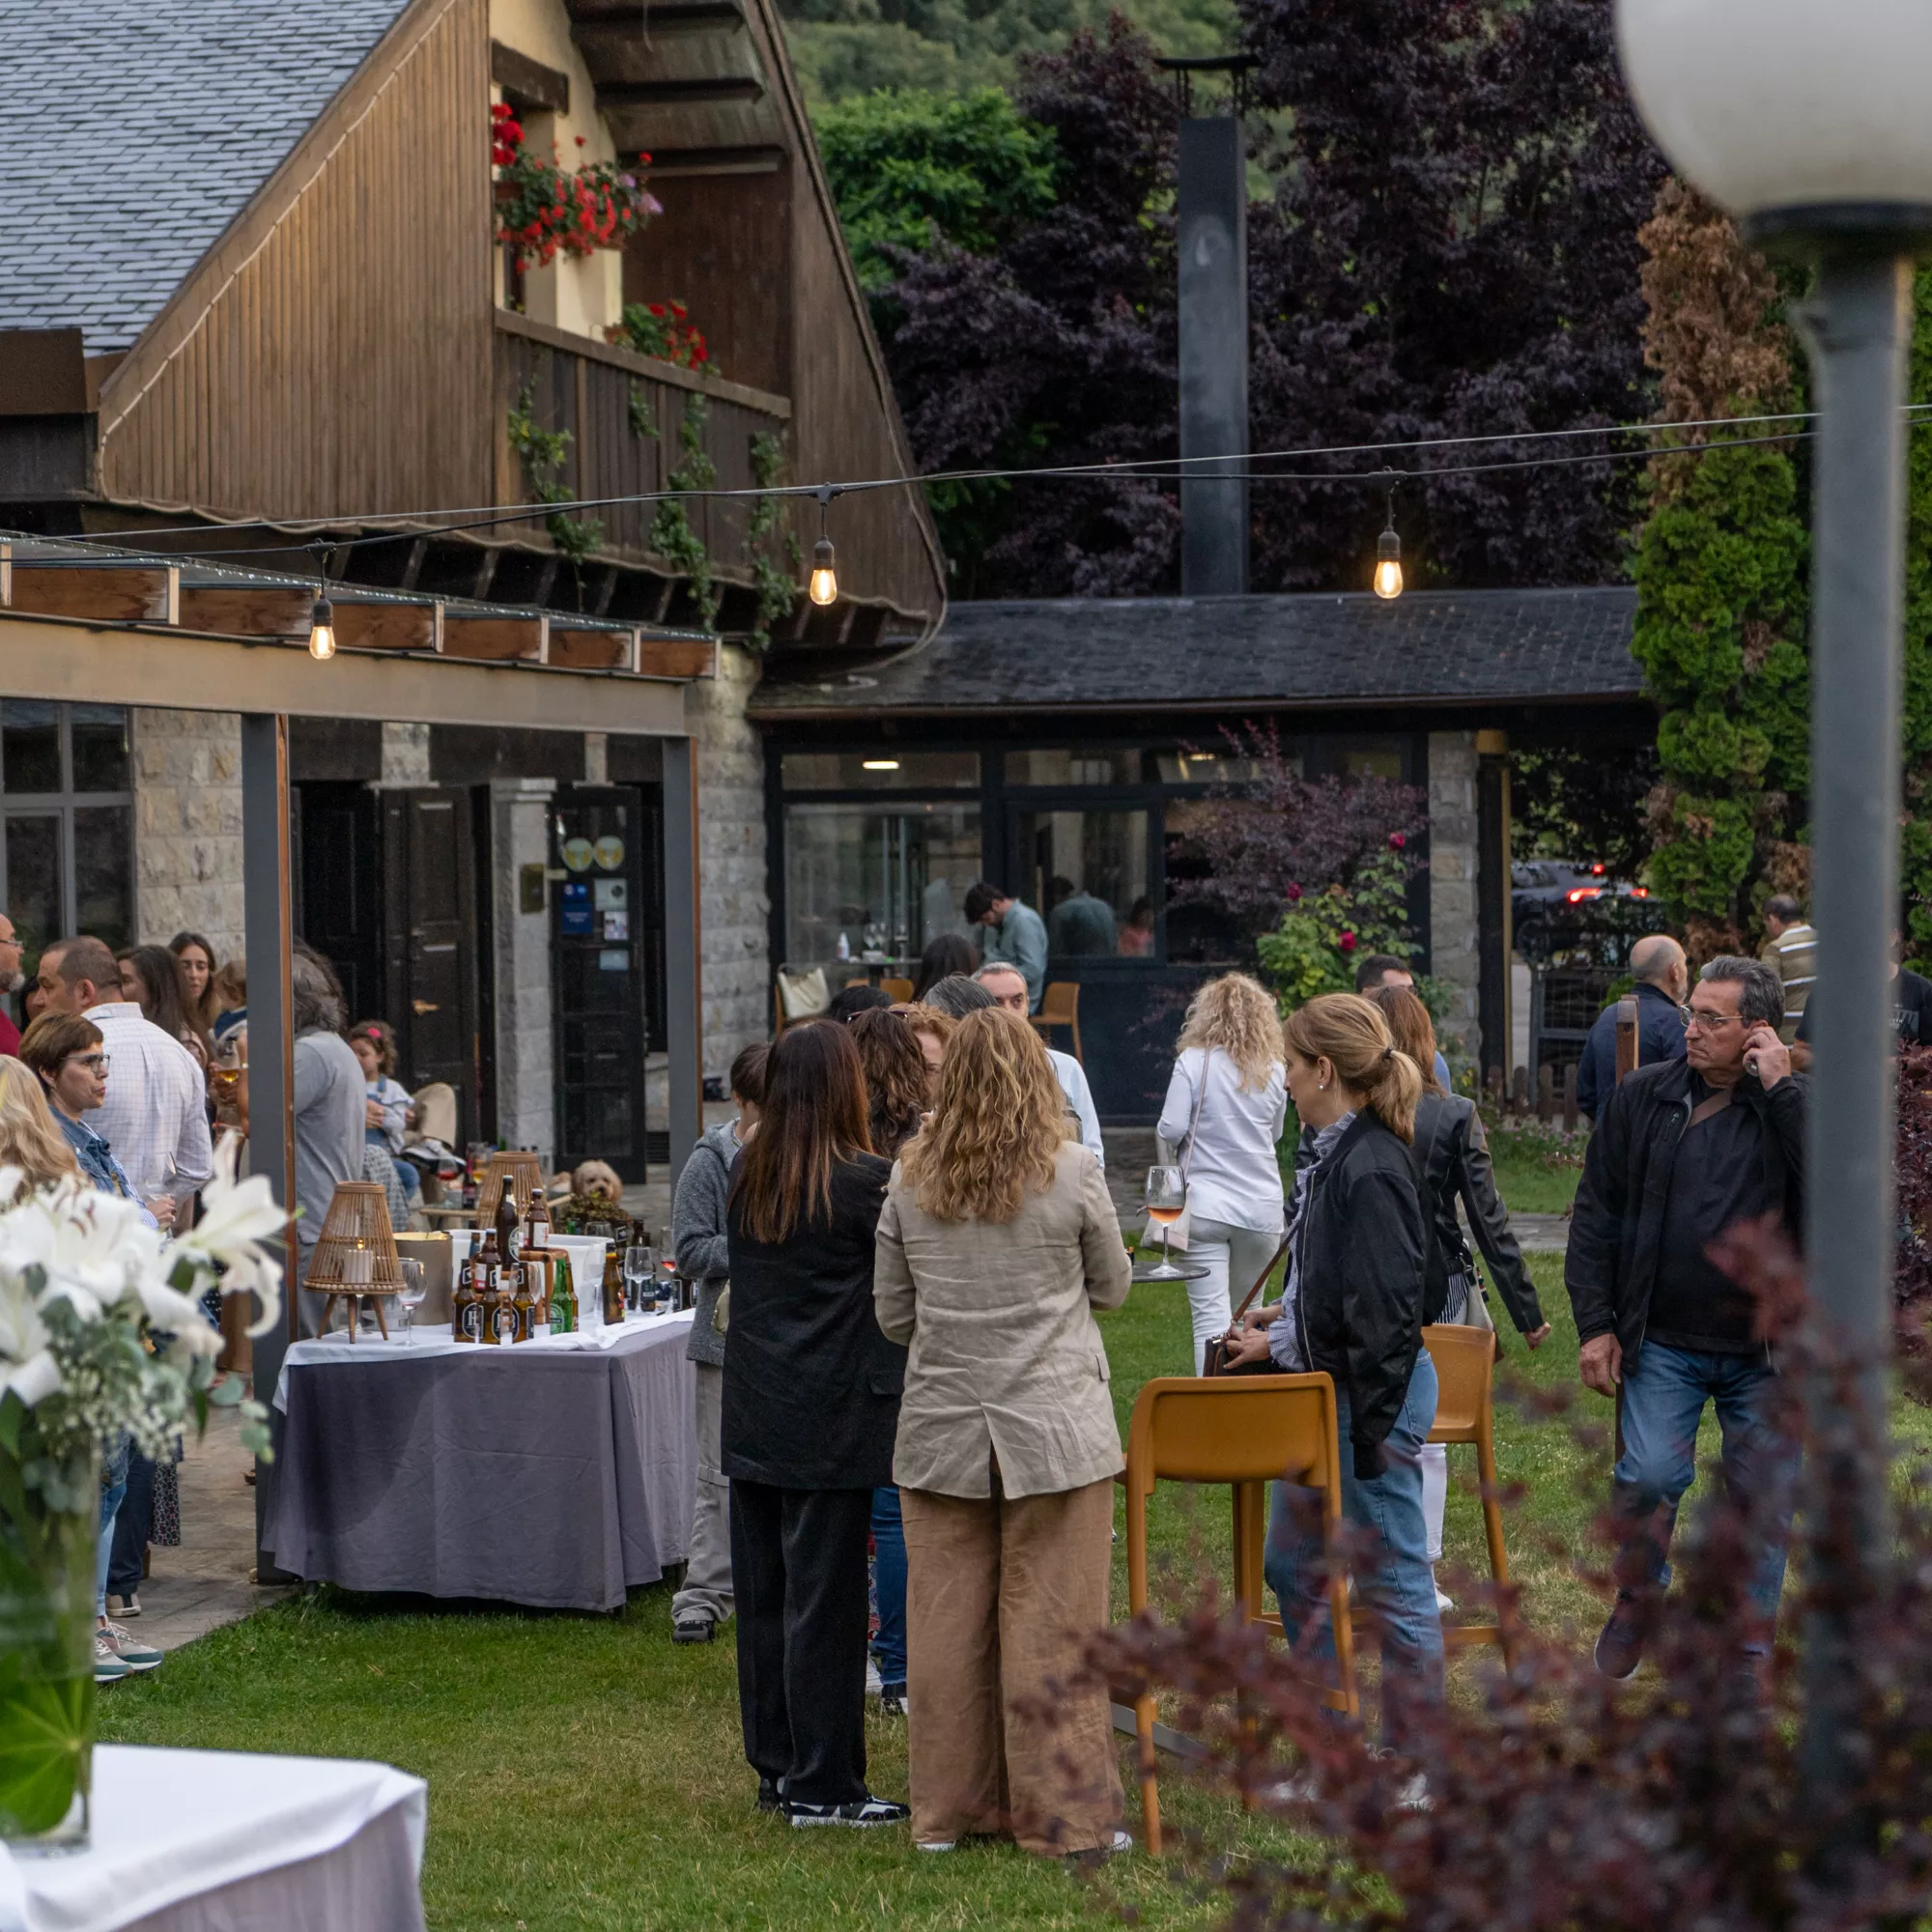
column 1214, row 1359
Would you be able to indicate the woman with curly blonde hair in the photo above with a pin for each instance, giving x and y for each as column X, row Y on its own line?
column 997, row 1242
column 1225, row 1108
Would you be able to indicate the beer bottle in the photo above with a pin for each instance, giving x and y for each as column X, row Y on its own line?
column 487, row 1276
column 507, row 1223
column 502, row 1311
column 613, row 1290
column 562, row 1298
column 524, row 1305
column 536, row 1223
column 463, row 1323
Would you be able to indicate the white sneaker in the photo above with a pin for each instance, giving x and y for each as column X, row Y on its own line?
column 937, row 1845
column 1444, row 1602
column 109, row 1668
column 874, row 1683
column 129, row 1606
column 128, row 1648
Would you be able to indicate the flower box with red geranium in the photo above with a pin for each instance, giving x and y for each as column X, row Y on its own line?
column 544, row 210
column 664, row 331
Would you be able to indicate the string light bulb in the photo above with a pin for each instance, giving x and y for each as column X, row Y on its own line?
column 823, row 588
column 1388, row 580
column 321, row 630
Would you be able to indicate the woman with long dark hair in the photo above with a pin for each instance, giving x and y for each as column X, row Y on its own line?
column 812, row 1401
column 151, row 977
column 1454, row 1160
column 948, row 954
column 1352, row 1306
column 195, row 957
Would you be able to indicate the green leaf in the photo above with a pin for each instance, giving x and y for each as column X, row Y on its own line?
column 46, row 1729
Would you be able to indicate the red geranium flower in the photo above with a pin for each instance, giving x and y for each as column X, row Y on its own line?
column 1346, row 942
column 1396, row 841
column 1294, row 892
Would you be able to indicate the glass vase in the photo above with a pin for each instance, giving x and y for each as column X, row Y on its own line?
column 46, row 1659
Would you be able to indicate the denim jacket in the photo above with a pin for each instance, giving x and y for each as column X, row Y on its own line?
column 97, row 1160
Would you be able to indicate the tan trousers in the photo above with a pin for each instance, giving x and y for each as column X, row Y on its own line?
column 1001, row 1594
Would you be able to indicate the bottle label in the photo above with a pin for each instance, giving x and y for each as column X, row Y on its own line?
column 507, row 1324
column 472, row 1322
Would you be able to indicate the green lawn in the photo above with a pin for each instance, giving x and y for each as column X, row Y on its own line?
column 585, row 1773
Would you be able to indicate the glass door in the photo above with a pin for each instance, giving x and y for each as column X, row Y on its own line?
column 1088, row 872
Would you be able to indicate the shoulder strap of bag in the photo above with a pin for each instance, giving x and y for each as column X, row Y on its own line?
column 1260, row 1280
column 1194, row 1123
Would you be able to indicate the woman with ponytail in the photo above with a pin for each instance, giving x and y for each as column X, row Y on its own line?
column 1352, row 1306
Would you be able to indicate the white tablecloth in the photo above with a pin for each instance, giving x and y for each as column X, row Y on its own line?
column 193, row 1840
column 636, row 1331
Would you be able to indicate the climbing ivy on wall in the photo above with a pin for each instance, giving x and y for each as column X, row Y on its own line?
column 1721, row 570
column 671, row 534
column 543, row 453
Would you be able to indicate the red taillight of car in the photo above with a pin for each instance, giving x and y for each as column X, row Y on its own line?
column 1639, row 892
column 1578, row 894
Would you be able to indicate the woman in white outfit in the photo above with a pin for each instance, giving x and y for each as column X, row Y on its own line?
column 1224, row 1109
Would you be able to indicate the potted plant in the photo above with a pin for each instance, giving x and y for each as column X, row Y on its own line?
column 101, row 1335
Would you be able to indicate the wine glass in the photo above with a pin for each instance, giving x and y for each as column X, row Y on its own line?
column 1166, row 1195
column 639, row 1267
column 410, row 1298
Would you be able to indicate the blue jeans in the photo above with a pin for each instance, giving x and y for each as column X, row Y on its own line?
column 1393, row 1581
column 889, row 1585
column 113, row 1487
column 1663, row 1403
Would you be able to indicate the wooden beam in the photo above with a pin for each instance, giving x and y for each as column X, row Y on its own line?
column 677, row 657
column 69, row 661
column 615, row 95
column 245, row 610
column 389, row 627
column 507, row 322
column 496, row 640
column 114, row 593
column 635, row 22
column 572, row 648
column 751, row 161
column 43, row 373
column 527, row 84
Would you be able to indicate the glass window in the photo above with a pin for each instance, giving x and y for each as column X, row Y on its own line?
column 884, row 879
column 1086, row 872
column 1368, row 758
column 99, row 747
column 1214, row 767
column 1196, row 932
column 34, row 879
column 889, row 768
column 1089, row 765
column 30, row 746
column 100, row 880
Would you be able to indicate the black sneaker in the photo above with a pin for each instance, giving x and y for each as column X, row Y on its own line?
column 892, row 1700
column 692, row 1628
column 861, row 1813
column 770, row 1798
column 1620, row 1645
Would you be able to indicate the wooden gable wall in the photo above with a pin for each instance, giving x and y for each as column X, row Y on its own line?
column 331, row 355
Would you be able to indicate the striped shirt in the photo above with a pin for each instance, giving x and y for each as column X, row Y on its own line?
column 155, row 1114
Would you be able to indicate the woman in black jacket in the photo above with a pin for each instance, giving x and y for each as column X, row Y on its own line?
column 1352, row 1306
column 1454, row 1159
column 811, row 1410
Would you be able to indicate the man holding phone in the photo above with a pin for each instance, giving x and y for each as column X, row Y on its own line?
column 1685, row 1150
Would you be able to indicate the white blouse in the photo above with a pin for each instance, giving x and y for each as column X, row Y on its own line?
column 1233, row 1175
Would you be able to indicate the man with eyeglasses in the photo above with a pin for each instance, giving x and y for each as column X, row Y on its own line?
column 1685, row 1150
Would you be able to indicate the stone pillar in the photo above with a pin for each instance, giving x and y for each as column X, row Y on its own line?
column 733, row 904
column 519, row 835
column 1452, row 923
column 404, row 757
column 188, row 828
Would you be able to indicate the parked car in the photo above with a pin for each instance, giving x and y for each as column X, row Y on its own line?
column 1559, row 904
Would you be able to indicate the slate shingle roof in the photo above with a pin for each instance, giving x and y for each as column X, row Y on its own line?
column 1444, row 646
column 132, row 132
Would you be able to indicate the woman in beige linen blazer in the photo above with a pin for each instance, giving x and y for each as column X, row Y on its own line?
column 997, row 1242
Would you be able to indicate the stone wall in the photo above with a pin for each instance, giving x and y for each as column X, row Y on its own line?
column 519, row 835
column 187, row 827
column 1454, row 960
column 734, row 907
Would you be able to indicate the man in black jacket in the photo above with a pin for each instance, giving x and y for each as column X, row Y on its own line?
column 1685, row 1150
column 1662, row 978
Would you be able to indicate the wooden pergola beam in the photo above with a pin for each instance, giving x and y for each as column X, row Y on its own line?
column 496, row 640
column 114, row 593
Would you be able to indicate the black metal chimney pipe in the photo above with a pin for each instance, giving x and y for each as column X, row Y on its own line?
column 1213, row 237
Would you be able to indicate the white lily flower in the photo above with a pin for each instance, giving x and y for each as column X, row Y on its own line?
column 237, row 1215
column 31, row 1381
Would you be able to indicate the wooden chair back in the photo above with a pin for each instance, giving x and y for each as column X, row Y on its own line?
column 898, row 991
column 1245, row 1431
column 435, row 1112
column 1465, row 1365
column 1060, row 1007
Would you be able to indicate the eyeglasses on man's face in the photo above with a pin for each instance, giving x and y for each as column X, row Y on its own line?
column 94, row 1063
column 1708, row 1022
